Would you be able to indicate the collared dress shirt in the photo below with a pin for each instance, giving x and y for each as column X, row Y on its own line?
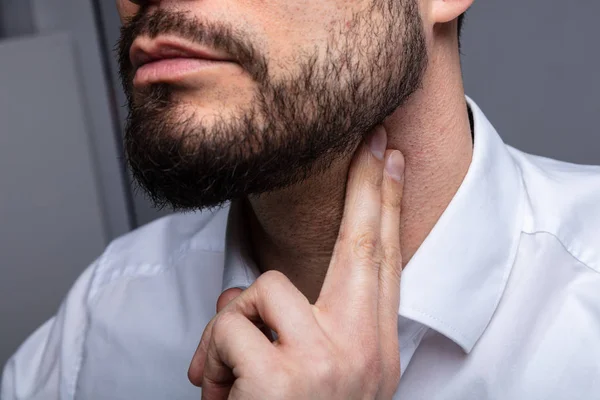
column 501, row 301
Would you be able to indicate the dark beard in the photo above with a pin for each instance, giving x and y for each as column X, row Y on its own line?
column 295, row 127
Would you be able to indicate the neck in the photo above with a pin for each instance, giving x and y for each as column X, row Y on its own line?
column 294, row 230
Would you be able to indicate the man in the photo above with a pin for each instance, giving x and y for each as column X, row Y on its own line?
column 337, row 137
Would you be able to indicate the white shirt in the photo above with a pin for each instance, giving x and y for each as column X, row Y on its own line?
column 501, row 301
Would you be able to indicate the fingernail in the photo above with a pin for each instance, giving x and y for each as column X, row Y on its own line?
column 394, row 165
column 378, row 142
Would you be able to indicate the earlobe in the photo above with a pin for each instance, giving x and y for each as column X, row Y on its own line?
column 127, row 9
column 443, row 11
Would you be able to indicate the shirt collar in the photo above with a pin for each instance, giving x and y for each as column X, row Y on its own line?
column 455, row 280
column 240, row 269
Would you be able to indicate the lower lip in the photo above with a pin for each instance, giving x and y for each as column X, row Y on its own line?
column 173, row 70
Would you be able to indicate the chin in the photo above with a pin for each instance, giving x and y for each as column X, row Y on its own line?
column 200, row 107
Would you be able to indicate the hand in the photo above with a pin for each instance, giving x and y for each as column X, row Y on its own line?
column 345, row 346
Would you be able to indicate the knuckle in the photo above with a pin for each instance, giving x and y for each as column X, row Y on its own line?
column 393, row 261
column 366, row 247
column 270, row 278
column 391, row 278
column 268, row 283
column 326, row 369
column 284, row 383
column 374, row 178
column 391, row 201
column 393, row 253
column 223, row 324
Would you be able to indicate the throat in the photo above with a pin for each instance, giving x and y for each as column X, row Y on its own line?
column 294, row 230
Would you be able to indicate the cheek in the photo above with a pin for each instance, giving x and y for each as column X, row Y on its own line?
column 126, row 9
column 294, row 29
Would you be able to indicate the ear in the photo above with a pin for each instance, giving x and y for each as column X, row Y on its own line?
column 126, row 9
column 443, row 11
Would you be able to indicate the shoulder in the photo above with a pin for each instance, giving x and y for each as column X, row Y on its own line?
column 159, row 245
column 160, row 240
column 50, row 362
column 564, row 201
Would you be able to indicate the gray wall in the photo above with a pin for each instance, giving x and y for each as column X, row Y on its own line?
column 63, row 195
column 531, row 65
column 143, row 210
column 15, row 18
column 533, row 68
column 52, row 220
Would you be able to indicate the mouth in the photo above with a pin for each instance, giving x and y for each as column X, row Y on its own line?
column 172, row 60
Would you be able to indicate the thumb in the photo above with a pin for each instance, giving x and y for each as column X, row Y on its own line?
column 226, row 297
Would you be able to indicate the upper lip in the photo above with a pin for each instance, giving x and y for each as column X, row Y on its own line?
column 145, row 50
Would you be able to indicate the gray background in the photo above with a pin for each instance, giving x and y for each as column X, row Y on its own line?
column 64, row 194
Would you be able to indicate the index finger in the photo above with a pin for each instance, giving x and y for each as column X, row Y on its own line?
column 351, row 283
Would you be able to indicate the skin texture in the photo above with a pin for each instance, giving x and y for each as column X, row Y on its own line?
column 297, row 121
column 295, row 229
column 315, row 354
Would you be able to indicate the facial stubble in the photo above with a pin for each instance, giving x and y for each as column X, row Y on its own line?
column 294, row 128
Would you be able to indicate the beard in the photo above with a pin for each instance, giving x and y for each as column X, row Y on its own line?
column 295, row 127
